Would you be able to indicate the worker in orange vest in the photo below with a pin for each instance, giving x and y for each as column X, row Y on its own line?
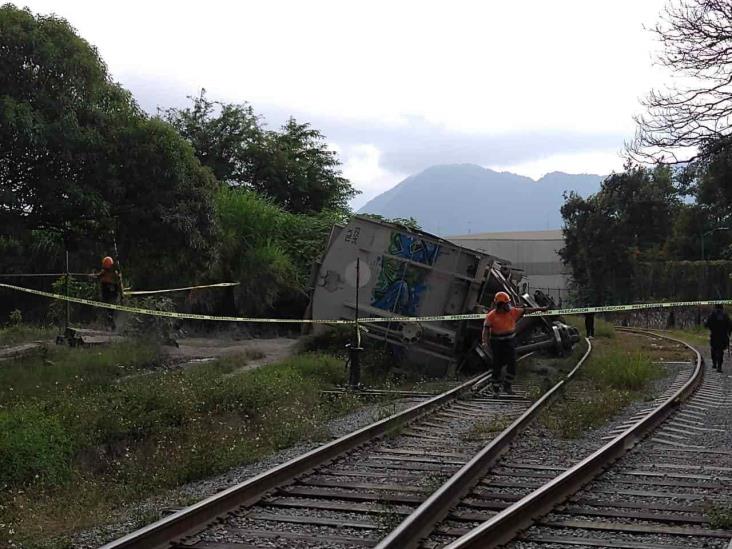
column 499, row 329
column 110, row 286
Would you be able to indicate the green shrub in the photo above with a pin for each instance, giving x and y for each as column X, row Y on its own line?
column 129, row 437
column 720, row 516
column 33, row 447
column 621, row 370
column 24, row 333
column 15, row 318
column 570, row 418
column 86, row 289
column 249, row 250
column 603, row 328
column 61, row 369
column 149, row 327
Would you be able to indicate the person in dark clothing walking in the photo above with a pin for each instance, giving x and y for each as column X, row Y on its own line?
column 720, row 326
column 590, row 324
column 500, row 329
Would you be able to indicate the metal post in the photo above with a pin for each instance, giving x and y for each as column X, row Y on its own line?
column 68, row 304
column 354, row 377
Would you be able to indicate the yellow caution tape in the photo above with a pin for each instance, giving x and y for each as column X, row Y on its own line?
column 150, row 292
column 471, row 316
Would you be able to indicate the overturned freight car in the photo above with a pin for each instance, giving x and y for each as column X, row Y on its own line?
column 404, row 272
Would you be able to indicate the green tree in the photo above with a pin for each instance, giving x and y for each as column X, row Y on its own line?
column 296, row 168
column 79, row 158
column 56, row 103
column 293, row 166
column 706, row 179
column 408, row 222
column 223, row 135
column 163, row 202
column 628, row 220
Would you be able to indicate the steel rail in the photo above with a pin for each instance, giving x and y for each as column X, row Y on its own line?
column 195, row 517
column 505, row 526
column 422, row 521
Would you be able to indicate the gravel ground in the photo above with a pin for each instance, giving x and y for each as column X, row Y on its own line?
column 538, row 446
column 689, row 496
column 370, row 484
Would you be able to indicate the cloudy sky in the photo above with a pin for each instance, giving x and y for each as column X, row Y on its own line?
column 531, row 86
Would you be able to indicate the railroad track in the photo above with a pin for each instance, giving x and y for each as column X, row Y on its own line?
column 352, row 491
column 661, row 482
column 417, row 487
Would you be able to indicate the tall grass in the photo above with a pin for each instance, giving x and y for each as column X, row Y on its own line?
column 619, row 371
column 80, row 426
column 590, row 408
column 24, row 333
column 603, row 328
column 60, row 370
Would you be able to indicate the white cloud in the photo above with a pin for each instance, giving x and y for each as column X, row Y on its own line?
column 467, row 65
column 501, row 72
column 361, row 166
column 601, row 162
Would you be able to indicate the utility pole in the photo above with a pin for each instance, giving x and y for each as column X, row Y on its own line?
column 354, row 373
column 66, row 291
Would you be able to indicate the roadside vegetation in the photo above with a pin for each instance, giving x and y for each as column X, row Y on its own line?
column 85, row 431
column 694, row 335
column 18, row 333
column 619, row 371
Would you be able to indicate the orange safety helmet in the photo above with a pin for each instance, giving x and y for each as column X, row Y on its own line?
column 502, row 297
column 107, row 262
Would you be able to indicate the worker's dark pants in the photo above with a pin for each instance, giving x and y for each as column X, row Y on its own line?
column 504, row 354
column 718, row 355
column 110, row 295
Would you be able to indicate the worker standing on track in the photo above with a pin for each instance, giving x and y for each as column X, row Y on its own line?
column 499, row 329
column 720, row 326
column 110, row 287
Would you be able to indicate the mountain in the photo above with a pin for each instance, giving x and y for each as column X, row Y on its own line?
column 465, row 198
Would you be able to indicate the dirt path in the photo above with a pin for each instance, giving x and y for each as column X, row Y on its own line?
column 200, row 349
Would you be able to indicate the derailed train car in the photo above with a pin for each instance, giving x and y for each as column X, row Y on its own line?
column 403, row 272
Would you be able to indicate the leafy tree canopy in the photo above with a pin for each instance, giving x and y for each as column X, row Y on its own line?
column 78, row 157
column 408, row 222
column 292, row 165
column 628, row 219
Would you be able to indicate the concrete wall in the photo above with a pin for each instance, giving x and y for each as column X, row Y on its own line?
column 534, row 251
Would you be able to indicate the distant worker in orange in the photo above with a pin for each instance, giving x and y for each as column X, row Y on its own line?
column 499, row 329
column 110, row 286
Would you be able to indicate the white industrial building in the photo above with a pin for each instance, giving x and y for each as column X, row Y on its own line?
column 536, row 252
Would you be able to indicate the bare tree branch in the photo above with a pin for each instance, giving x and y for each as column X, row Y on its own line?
column 696, row 39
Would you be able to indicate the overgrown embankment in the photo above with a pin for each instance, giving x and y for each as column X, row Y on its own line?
column 621, row 369
column 84, row 431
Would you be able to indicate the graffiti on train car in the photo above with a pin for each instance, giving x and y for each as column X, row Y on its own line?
column 398, row 288
column 413, row 248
